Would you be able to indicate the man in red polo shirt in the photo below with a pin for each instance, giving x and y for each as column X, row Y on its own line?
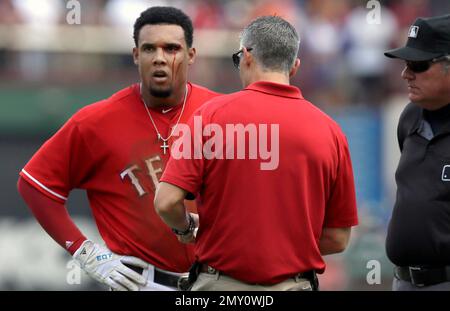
column 272, row 172
column 116, row 150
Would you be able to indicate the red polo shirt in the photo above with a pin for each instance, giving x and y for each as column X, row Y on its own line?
column 263, row 226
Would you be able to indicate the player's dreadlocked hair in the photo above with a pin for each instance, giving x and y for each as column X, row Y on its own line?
column 164, row 15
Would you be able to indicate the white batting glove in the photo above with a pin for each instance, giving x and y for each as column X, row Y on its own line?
column 108, row 268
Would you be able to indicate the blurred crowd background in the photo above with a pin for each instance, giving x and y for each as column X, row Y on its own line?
column 49, row 68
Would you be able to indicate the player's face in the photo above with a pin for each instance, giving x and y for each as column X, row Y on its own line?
column 163, row 58
column 429, row 89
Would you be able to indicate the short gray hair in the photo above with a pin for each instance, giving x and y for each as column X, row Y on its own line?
column 446, row 64
column 274, row 43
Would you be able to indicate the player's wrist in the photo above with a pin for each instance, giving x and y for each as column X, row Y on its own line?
column 189, row 229
column 84, row 251
column 76, row 245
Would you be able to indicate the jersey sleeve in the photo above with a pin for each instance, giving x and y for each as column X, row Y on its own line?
column 341, row 208
column 52, row 216
column 61, row 164
column 185, row 169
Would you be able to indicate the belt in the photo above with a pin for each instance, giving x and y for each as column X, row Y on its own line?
column 166, row 279
column 423, row 275
column 160, row 277
column 309, row 275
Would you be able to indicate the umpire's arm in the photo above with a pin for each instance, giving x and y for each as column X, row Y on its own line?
column 334, row 240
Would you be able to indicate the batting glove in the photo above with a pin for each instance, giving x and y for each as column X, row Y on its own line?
column 108, row 268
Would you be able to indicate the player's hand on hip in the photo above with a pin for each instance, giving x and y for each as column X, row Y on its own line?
column 109, row 268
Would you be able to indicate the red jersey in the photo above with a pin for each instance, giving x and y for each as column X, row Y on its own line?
column 264, row 225
column 111, row 150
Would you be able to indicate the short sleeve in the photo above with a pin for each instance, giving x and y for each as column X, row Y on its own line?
column 341, row 208
column 185, row 167
column 61, row 164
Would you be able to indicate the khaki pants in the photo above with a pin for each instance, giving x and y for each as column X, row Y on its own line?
column 219, row 282
column 399, row 285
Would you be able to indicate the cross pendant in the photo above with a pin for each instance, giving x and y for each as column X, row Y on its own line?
column 164, row 146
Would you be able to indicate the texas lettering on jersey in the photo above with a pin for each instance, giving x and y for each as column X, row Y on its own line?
column 154, row 170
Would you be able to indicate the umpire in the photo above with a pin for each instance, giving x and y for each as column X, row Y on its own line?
column 418, row 239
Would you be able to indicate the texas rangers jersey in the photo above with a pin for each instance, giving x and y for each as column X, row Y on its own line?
column 111, row 150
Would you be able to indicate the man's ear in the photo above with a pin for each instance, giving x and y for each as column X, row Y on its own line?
column 295, row 68
column 136, row 55
column 247, row 57
column 192, row 53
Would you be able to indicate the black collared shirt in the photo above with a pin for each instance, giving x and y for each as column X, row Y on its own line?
column 419, row 231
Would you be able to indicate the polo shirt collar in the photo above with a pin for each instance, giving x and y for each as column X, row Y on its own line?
column 446, row 126
column 422, row 127
column 277, row 89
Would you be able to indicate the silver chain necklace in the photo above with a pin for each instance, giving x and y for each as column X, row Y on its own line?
column 165, row 145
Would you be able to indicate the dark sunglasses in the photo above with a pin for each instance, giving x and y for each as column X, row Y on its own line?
column 422, row 66
column 237, row 57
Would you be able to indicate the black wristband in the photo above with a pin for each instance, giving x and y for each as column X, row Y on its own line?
column 190, row 228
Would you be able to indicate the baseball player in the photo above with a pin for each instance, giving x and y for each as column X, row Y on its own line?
column 116, row 150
